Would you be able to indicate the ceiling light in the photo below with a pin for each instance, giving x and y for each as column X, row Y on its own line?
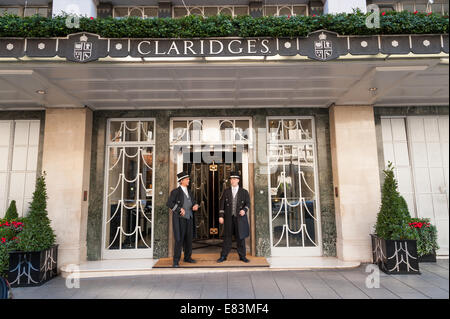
column 42, row 92
column 373, row 89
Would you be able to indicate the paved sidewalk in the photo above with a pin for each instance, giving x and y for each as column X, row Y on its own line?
column 270, row 284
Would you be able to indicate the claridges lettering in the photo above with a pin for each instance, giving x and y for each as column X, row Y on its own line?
column 203, row 47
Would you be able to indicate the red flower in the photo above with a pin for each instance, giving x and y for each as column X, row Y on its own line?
column 416, row 12
column 313, row 15
column 383, row 13
column 3, row 240
column 429, row 13
column 92, row 18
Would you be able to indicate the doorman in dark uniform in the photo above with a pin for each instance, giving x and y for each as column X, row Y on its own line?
column 233, row 209
column 183, row 205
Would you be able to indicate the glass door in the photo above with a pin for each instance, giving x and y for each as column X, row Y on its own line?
column 293, row 187
column 128, row 198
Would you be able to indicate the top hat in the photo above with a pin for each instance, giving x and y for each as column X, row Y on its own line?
column 182, row 175
column 235, row 174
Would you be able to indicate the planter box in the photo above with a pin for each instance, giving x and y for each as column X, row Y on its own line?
column 395, row 256
column 28, row 269
column 430, row 258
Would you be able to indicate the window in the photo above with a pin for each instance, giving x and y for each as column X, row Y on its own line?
column 141, row 12
column 129, row 188
column 25, row 11
column 232, row 11
column 438, row 6
column 19, row 145
column 293, row 189
column 286, row 10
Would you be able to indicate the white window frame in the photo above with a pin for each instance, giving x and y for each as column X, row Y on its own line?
column 9, row 169
column 296, row 251
column 137, row 252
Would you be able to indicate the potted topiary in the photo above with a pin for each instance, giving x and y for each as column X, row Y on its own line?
column 11, row 213
column 35, row 260
column 394, row 245
column 426, row 239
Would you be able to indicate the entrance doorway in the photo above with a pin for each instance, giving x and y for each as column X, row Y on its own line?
column 209, row 150
column 208, row 182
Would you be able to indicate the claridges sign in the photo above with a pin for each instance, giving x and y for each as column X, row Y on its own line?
column 320, row 45
column 203, row 47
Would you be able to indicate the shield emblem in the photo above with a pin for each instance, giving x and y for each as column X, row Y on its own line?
column 323, row 49
column 82, row 51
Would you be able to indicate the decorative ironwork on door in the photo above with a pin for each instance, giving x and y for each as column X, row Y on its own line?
column 128, row 222
column 293, row 183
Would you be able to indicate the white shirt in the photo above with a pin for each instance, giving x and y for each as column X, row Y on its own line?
column 184, row 188
column 235, row 190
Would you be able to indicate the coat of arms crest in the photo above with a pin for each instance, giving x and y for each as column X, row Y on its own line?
column 323, row 48
column 82, row 50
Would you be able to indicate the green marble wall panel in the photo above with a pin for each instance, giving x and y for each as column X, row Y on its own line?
column 161, row 216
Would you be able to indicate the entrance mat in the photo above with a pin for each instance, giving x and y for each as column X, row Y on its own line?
column 210, row 261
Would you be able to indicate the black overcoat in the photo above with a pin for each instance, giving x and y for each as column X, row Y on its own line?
column 175, row 203
column 225, row 211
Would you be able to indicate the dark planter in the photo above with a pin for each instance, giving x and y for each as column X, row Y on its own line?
column 395, row 256
column 28, row 269
column 429, row 258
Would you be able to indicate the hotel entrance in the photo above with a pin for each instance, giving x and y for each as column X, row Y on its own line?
column 208, row 182
column 209, row 150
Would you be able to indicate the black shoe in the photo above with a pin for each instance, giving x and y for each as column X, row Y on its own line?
column 221, row 259
column 244, row 259
column 190, row 260
column 175, row 265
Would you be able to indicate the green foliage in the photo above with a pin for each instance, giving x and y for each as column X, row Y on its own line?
column 11, row 213
column 426, row 236
column 224, row 26
column 394, row 218
column 37, row 233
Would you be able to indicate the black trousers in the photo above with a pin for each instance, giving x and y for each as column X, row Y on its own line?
column 186, row 231
column 228, row 240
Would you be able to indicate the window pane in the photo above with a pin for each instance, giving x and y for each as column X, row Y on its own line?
column 421, row 7
column 285, row 11
column 196, row 11
column 240, row 11
column 147, row 134
column 316, row 10
column 388, row 7
column 136, row 12
column 270, row 10
column 300, row 10
column 43, row 12
column 210, row 11
column 28, row 12
column 116, row 132
column 179, row 12
column 226, row 11
column 131, row 131
column 151, row 12
column 408, row 7
column 120, row 12
column 7, row 10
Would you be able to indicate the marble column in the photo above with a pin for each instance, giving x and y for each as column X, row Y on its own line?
column 355, row 178
column 66, row 161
